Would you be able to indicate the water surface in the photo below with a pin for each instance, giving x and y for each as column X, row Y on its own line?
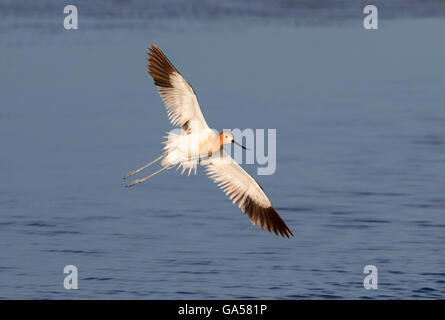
column 360, row 121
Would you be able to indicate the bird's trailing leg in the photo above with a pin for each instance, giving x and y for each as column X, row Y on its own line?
column 145, row 178
column 142, row 168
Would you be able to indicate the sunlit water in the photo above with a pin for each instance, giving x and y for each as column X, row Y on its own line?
column 360, row 120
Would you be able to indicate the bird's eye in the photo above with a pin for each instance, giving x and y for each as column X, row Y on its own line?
column 226, row 137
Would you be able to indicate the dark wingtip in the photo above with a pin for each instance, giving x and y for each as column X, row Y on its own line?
column 266, row 218
column 159, row 67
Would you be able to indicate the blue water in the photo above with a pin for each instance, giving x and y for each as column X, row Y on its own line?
column 360, row 179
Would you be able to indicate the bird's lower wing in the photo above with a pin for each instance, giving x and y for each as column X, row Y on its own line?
column 246, row 192
column 178, row 95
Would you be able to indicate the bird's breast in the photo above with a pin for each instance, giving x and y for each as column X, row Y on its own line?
column 209, row 144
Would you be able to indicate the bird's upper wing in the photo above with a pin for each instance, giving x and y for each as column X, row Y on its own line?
column 178, row 95
column 244, row 190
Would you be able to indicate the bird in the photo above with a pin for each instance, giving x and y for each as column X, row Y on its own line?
column 197, row 144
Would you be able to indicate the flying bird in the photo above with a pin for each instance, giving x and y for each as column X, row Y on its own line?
column 197, row 145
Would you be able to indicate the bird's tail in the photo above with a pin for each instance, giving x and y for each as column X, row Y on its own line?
column 178, row 151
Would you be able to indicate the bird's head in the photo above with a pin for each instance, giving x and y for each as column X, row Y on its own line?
column 226, row 137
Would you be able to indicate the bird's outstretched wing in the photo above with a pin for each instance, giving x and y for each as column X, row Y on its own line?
column 178, row 95
column 244, row 190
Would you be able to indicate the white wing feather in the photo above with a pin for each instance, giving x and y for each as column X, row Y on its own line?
column 244, row 190
column 178, row 95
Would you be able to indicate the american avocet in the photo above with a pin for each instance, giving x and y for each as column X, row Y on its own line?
column 198, row 144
